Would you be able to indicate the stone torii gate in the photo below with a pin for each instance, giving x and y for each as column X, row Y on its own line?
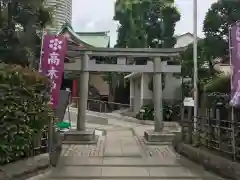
column 84, row 65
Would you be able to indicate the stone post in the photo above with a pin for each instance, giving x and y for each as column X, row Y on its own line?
column 157, row 95
column 83, row 87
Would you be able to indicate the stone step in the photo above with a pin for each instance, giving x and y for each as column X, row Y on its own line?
column 115, row 172
column 133, row 178
column 123, row 172
column 126, row 168
column 116, row 161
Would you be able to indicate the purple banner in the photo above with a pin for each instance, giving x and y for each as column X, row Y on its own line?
column 234, row 49
column 52, row 65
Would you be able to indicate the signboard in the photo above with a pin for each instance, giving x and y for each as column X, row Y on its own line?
column 234, row 49
column 188, row 102
column 52, row 63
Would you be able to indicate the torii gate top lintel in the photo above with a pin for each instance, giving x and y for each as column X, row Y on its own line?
column 133, row 52
column 122, row 54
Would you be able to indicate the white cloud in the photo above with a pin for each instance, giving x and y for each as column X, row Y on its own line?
column 97, row 15
column 186, row 9
column 91, row 26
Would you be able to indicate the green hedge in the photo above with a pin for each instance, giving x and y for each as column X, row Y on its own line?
column 24, row 111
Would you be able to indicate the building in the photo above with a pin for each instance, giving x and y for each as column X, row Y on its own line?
column 222, row 65
column 98, row 88
column 61, row 13
column 139, row 82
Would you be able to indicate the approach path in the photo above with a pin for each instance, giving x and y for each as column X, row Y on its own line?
column 121, row 154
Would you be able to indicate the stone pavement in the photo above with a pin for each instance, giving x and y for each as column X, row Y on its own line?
column 121, row 154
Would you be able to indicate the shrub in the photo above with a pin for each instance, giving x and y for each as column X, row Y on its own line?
column 217, row 90
column 24, row 110
column 218, row 84
column 148, row 112
column 170, row 112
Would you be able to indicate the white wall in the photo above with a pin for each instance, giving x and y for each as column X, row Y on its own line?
column 224, row 68
column 137, row 94
column 96, row 80
column 147, row 94
column 172, row 87
column 184, row 40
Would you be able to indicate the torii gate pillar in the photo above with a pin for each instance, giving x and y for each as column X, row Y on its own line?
column 157, row 96
column 81, row 135
column 83, row 87
column 158, row 135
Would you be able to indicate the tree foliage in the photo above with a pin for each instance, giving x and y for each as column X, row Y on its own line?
column 146, row 23
column 205, row 64
column 216, row 23
column 24, row 111
column 21, row 24
column 215, row 44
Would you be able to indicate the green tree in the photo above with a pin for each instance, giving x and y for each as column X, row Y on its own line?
column 145, row 23
column 21, row 22
column 205, row 64
column 215, row 44
column 215, row 26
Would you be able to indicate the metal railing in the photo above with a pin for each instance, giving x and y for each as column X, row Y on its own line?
column 39, row 144
column 217, row 129
column 102, row 106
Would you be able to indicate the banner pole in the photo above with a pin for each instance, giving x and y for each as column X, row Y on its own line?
column 231, row 83
column 41, row 50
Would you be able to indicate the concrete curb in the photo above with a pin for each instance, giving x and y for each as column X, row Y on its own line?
column 26, row 168
column 138, row 121
column 215, row 163
column 143, row 122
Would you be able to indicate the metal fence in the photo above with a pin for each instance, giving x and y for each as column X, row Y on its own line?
column 217, row 129
column 39, row 143
column 102, row 106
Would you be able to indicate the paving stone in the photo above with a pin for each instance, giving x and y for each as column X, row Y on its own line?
column 170, row 171
column 98, row 161
column 114, row 149
column 123, row 161
column 76, row 172
column 121, row 143
column 124, row 171
column 42, row 176
column 122, row 133
column 112, row 179
column 162, row 162
column 79, row 161
column 91, row 150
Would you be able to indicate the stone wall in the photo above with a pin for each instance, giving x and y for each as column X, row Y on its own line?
column 210, row 160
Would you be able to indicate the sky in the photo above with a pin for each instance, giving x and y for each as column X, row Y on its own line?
column 97, row 15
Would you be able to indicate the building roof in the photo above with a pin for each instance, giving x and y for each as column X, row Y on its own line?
column 187, row 34
column 95, row 39
column 222, row 65
column 223, row 68
column 92, row 39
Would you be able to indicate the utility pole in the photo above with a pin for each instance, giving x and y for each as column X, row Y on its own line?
column 195, row 63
